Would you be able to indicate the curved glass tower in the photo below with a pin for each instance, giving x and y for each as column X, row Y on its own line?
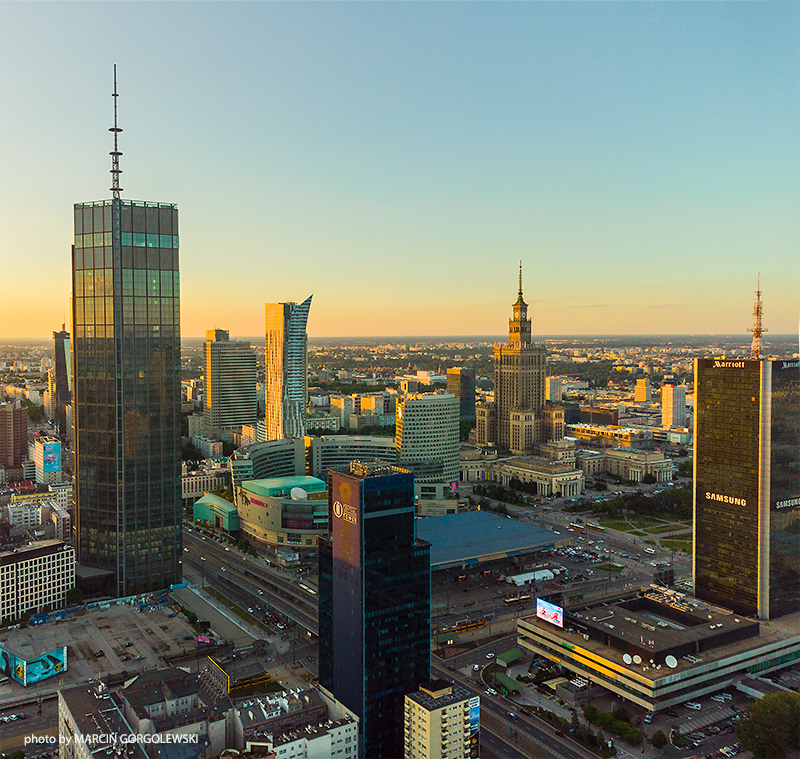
column 286, row 374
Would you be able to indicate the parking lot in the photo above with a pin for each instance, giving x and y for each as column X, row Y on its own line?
column 98, row 643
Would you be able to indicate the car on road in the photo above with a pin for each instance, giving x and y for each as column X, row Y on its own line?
column 490, row 656
column 648, row 718
column 476, row 667
column 139, row 658
column 693, row 705
column 512, row 715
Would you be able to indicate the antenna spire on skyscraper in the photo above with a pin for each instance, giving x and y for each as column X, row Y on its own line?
column 520, row 278
column 757, row 347
column 115, row 154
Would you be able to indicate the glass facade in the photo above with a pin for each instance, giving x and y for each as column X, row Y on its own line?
column 126, row 368
column 286, row 370
column 747, row 475
column 374, row 607
column 784, row 568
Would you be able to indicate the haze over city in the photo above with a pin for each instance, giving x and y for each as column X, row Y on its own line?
column 397, row 161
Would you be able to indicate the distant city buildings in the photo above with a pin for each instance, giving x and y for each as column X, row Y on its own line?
column 553, row 389
column 427, row 443
column 286, row 374
column 13, row 434
column 374, row 614
column 62, row 381
column 673, row 405
column 643, row 392
column 747, row 485
column 518, row 419
column 461, row 384
column 229, row 394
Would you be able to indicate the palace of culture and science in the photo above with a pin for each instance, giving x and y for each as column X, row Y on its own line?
column 518, row 420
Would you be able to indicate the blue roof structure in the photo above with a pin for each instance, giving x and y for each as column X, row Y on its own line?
column 472, row 537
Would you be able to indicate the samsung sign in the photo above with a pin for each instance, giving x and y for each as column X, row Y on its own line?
column 786, row 504
column 726, row 499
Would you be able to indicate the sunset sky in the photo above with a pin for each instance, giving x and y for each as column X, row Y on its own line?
column 397, row 160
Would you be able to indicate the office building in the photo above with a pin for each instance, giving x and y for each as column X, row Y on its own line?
column 47, row 457
column 286, row 372
column 427, row 443
column 643, row 392
column 461, row 383
column 337, row 451
column 374, row 602
column 13, row 434
column 127, row 359
column 229, row 395
column 442, row 720
column 673, row 405
column 747, row 485
column 34, row 577
column 553, row 389
column 62, row 376
column 514, row 421
column 657, row 648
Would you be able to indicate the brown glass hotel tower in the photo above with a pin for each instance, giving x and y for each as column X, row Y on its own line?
column 126, row 363
column 747, row 485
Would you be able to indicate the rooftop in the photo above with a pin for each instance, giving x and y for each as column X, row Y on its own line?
column 451, row 693
column 475, row 536
column 720, row 634
column 281, row 486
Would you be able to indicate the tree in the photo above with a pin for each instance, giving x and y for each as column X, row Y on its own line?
column 659, row 740
column 649, row 479
column 74, row 596
column 621, row 713
column 683, row 452
column 771, row 726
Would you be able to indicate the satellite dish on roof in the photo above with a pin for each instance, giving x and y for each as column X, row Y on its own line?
column 627, row 658
column 298, row 494
column 637, row 659
column 671, row 661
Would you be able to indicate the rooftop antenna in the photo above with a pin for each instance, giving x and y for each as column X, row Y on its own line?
column 520, row 278
column 115, row 154
column 757, row 347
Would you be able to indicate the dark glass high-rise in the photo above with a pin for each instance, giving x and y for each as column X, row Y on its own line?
column 126, row 359
column 747, row 485
column 62, row 356
column 374, row 602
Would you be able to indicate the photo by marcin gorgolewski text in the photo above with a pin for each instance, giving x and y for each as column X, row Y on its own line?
column 112, row 739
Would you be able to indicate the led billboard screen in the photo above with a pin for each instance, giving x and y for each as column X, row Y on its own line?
column 550, row 612
column 51, row 457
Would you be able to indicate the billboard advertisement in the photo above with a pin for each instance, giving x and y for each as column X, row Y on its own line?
column 51, row 457
column 474, row 726
column 34, row 670
column 550, row 612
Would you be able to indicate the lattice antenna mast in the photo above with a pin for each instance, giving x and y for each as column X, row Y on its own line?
column 757, row 346
column 115, row 154
column 520, row 278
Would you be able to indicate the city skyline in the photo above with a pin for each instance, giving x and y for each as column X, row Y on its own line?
column 651, row 148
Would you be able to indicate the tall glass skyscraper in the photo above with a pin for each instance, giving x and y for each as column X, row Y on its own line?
column 374, row 602
column 229, row 395
column 126, row 365
column 747, row 485
column 286, row 371
column 63, row 377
